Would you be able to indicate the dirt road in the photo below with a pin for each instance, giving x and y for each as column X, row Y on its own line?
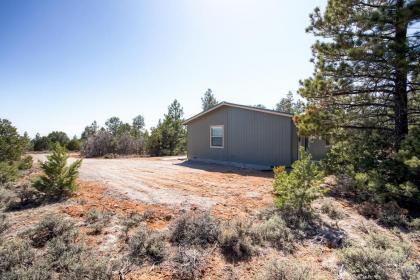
column 175, row 182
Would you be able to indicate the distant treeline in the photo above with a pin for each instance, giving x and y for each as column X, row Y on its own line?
column 116, row 137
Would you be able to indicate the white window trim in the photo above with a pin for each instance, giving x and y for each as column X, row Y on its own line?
column 223, row 137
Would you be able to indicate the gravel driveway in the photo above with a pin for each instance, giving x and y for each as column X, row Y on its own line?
column 173, row 181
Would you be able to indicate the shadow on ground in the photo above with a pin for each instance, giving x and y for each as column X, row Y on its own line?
column 213, row 167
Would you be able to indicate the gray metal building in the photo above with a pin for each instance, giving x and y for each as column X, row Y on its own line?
column 247, row 136
column 242, row 135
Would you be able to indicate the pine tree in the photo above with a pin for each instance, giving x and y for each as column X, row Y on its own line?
column 208, row 101
column 296, row 190
column 169, row 136
column 173, row 132
column 138, row 123
column 58, row 137
column 365, row 68
column 113, row 125
column 90, row 130
column 288, row 105
column 12, row 145
column 58, row 179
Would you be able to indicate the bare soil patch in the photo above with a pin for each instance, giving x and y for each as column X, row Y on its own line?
column 176, row 183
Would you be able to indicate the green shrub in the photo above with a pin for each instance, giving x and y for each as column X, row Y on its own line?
column 74, row 145
column 12, row 145
column 58, row 179
column 41, row 143
column 49, row 228
column 147, row 245
column 285, row 270
column 8, row 172
column 295, row 191
column 58, row 137
column 195, row 229
column 277, row 233
column 379, row 171
column 189, row 263
column 236, row 240
column 25, row 163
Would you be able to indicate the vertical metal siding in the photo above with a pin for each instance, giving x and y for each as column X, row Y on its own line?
column 250, row 137
column 199, row 136
column 259, row 138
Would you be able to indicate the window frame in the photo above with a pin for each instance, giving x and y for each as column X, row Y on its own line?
column 223, row 136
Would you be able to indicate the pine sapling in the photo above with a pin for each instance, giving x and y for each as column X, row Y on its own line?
column 58, row 179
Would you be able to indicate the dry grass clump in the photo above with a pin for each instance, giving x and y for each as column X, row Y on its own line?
column 379, row 259
column 4, row 224
column 147, row 245
column 275, row 231
column 51, row 227
column 8, row 197
column 332, row 211
column 415, row 224
column 189, row 263
column 286, row 270
column 75, row 261
column 132, row 220
column 15, row 196
column 195, row 229
column 61, row 257
column 378, row 241
column 97, row 220
column 18, row 261
column 237, row 240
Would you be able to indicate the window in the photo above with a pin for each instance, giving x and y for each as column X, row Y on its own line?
column 216, row 136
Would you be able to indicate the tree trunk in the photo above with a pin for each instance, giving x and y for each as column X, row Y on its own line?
column 401, row 72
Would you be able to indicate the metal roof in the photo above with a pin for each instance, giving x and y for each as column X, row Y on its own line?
column 228, row 104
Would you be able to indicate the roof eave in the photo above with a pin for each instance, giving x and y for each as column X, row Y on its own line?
column 186, row 122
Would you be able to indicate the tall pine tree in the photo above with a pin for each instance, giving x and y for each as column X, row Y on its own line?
column 366, row 68
column 208, row 101
column 169, row 136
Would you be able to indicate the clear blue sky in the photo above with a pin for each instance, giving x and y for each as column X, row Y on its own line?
column 66, row 63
